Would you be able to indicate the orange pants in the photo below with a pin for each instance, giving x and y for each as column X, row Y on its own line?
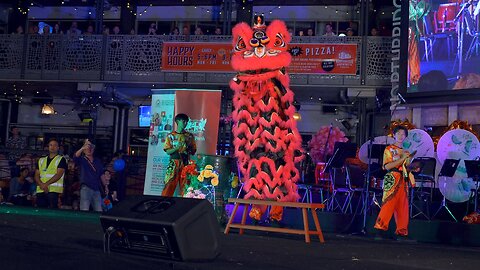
column 257, row 211
column 413, row 59
column 398, row 205
column 174, row 178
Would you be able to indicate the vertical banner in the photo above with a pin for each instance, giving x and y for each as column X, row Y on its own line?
column 161, row 123
column 203, row 108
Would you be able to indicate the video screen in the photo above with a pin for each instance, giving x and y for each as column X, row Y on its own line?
column 443, row 45
column 144, row 117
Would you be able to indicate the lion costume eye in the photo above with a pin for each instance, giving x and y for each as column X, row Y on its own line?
column 279, row 42
column 240, row 46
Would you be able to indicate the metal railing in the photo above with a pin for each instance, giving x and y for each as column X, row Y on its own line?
column 130, row 58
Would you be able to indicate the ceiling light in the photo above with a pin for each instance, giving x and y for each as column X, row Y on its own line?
column 48, row 109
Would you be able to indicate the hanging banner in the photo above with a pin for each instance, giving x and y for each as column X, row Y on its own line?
column 203, row 108
column 196, row 56
column 312, row 58
column 339, row 59
column 161, row 123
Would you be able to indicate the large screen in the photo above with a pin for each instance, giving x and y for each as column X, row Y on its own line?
column 443, row 45
column 144, row 117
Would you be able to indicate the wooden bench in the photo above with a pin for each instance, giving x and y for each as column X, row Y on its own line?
column 304, row 206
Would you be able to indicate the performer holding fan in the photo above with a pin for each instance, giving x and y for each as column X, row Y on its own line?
column 395, row 188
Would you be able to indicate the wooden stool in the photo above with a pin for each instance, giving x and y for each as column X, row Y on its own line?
column 304, row 206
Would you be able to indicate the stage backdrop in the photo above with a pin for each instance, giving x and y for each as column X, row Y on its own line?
column 203, row 108
column 340, row 59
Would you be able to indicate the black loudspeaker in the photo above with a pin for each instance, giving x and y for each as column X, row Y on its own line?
column 164, row 227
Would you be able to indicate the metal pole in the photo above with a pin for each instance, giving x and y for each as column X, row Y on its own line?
column 364, row 19
column 99, row 7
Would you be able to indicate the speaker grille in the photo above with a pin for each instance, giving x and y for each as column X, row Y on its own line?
column 148, row 241
column 153, row 243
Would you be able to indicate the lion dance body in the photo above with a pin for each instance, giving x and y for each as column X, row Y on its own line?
column 267, row 142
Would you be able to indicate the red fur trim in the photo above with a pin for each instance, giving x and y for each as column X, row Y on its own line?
column 242, row 30
column 255, row 135
column 254, row 63
column 277, row 26
column 271, row 106
column 290, row 124
column 252, row 146
column 267, row 135
column 253, row 183
column 255, row 194
column 239, row 142
column 275, row 120
column 277, row 193
column 284, row 79
column 280, row 147
column 236, row 86
column 289, row 96
column 270, row 182
column 245, row 115
column 256, row 77
column 291, row 197
column 242, row 128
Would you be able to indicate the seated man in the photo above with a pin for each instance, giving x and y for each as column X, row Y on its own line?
column 19, row 188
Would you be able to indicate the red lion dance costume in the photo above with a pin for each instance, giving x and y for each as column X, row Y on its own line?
column 267, row 142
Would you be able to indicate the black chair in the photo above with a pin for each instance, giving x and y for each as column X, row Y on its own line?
column 424, row 187
column 375, row 190
column 432, row 34
column 356, row 184
column 340, row 185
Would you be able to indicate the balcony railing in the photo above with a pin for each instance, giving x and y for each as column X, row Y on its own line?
column 130, row 58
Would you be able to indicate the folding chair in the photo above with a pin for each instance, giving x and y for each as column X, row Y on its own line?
column 356, row 183
column 425, row 179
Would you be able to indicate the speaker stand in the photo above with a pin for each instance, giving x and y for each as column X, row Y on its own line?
column 444, row 205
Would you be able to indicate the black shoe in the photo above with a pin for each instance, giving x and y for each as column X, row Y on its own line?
column 404, row 239
column 276, row 223
column 381, row 236
column 255, row 222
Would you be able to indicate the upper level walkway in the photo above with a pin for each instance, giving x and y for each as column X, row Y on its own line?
column 138, row 58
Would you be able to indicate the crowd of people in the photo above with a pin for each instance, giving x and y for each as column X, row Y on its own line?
column 186, row 30
column 55, row 180
column 329, row 32
column 46, row 29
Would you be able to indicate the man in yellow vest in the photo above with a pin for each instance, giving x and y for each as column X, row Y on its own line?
column 49, row 176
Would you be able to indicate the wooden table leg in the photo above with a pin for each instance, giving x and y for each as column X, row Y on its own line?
column 317, row 225
column 234, row 212
column 305, row 225
column 244, row 216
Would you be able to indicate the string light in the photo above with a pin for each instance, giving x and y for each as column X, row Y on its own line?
column 270, row 11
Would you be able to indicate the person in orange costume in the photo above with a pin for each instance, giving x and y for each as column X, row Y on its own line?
column 417, row 10
column 179, row 144
column 395, row 185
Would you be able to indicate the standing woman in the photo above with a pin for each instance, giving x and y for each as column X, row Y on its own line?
column 395, row 187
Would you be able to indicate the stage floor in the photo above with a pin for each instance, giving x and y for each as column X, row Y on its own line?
column 44, row 239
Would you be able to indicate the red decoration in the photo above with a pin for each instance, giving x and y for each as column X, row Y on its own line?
column 318, row 141
column 189, row 170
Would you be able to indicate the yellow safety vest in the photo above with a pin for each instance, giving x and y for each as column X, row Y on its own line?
column 46, row 173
